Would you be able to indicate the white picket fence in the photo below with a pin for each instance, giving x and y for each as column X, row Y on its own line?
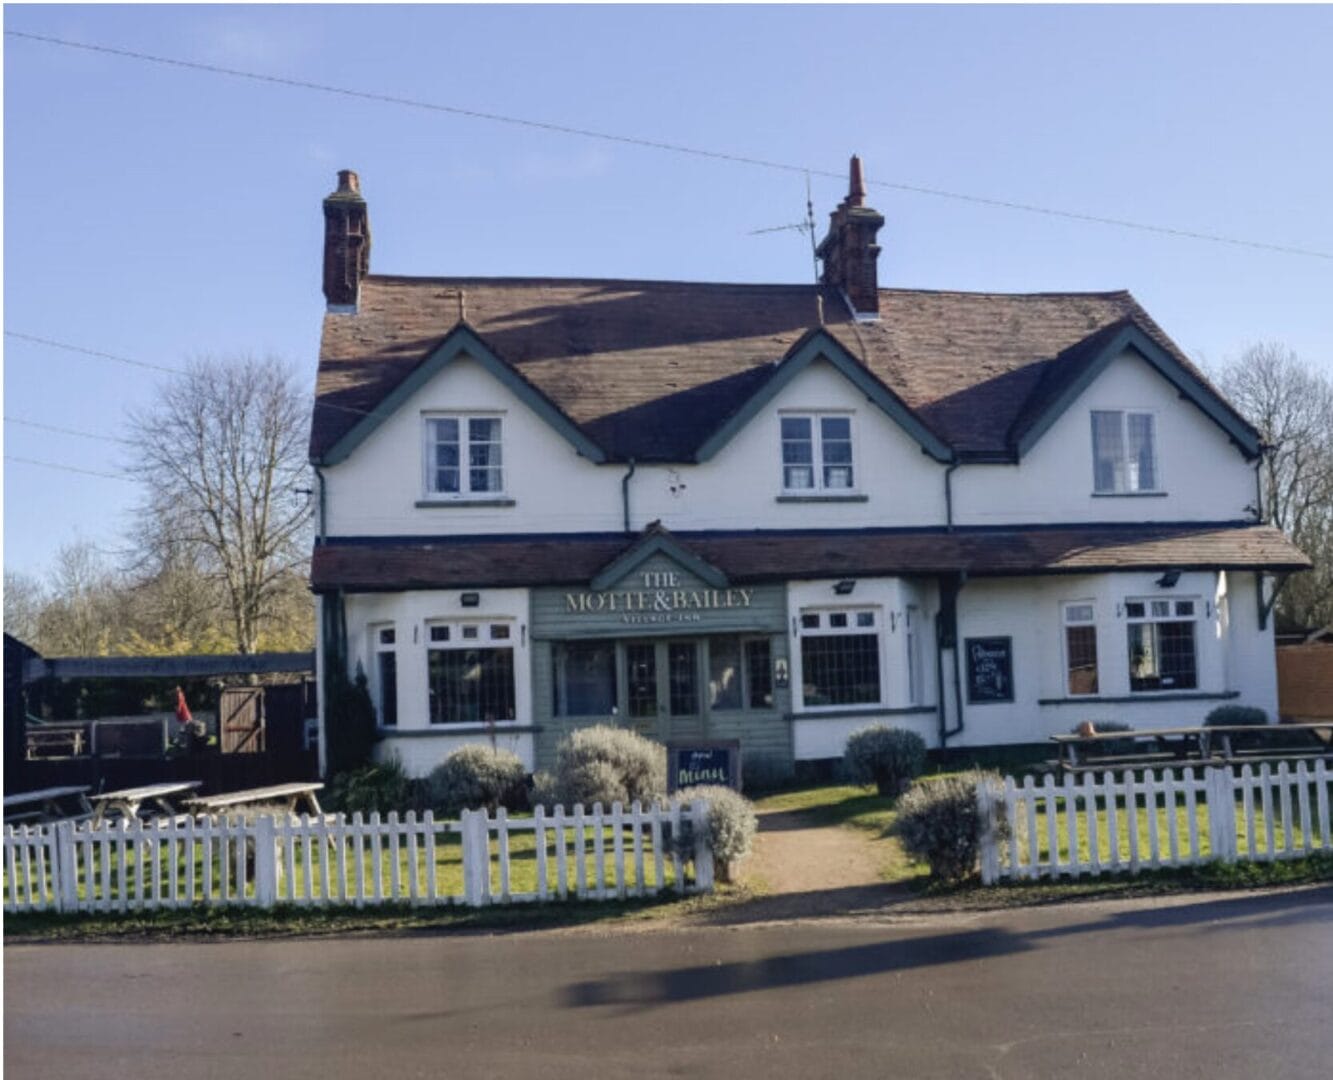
column 135, row 866
column 1148, row 819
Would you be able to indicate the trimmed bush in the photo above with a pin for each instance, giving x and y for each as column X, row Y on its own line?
column 731, row 825
column 372, row 789
column 1244, row 716
column 887, row 757
column 605, row 764
column 1109, row 748
column 478, row 777
column 940, row 823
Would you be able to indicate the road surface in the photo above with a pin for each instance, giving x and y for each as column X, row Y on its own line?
column 1212, row 987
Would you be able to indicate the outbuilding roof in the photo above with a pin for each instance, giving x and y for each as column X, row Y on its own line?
column 654, row 370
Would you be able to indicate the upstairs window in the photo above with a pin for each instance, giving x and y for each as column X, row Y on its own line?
column 1124, row 453
column 1161, row 644
column 464, row 456
column 817, row 454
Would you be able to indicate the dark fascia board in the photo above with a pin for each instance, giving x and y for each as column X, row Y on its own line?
column 1185, row 382
column 658, row 543
column 462, row 340
column 821, row 345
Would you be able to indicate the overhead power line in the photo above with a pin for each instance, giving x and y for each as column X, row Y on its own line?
column 65, row 430
column 92, row 352
column 69, row 468
column 657, row 144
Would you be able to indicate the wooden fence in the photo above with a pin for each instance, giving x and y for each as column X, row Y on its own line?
column 1148, row 819
column 478, row 860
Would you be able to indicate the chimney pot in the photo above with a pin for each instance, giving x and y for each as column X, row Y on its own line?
column 849, row 251
column 856, row 190
column 348, row 181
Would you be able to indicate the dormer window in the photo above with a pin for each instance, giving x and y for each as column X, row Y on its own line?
column 1124, row 453
column 463, row 456
column 817, row 454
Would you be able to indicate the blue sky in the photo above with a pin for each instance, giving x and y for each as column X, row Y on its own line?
column 162, row 213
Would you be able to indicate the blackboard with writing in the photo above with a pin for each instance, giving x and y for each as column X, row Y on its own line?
column 990, row 669
column 693, row 763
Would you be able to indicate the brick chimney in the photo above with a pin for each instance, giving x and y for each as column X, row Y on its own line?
column 849, row 251
column 346, row 243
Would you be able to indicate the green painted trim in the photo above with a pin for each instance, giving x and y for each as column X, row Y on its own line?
column 654, row 544
column 1131, row 337
column 462, row 340
column 821, row 345
column 869, row 714
column 822, row 498
column 1146, row 696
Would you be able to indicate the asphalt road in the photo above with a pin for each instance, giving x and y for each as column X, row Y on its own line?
column 1230, row 987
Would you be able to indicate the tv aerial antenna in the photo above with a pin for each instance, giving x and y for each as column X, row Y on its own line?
column 807, row 226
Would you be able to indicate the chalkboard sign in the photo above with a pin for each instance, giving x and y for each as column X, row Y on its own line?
column 693, row 763
column 990, row 669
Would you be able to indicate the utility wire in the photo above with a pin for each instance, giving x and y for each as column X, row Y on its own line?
column 675, row 148
column 65, row 430
column 69, row 468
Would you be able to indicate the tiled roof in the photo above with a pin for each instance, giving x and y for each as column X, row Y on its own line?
column 398, row 563
column 650, row 369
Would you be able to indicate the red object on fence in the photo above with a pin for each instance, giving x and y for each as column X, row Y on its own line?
column 182, row 710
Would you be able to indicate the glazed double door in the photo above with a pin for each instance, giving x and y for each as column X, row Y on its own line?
column 664, row 686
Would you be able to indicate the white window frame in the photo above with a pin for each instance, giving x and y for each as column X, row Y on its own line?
column 824, row 629
column 817, row 464
column 483, row 636
column 1121, row 485
column 912, row 644
column 1066, row 622
column 1172, row 615
column 377, row 647
column 428, row 467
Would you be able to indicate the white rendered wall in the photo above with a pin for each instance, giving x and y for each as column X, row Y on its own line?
column 375, row 491
column 1205, row 478
column 421, row 744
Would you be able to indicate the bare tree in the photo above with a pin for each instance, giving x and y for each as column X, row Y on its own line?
column 83, row 614
column 24, row 600
column 221, row 454
column 1291, row 403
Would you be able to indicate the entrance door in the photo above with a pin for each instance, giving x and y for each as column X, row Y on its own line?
column 664, row 691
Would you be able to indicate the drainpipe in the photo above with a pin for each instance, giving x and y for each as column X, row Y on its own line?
column 1259, row 486
column 624, row 492
column 948, row 495
column 949, row 603
column 320, row 534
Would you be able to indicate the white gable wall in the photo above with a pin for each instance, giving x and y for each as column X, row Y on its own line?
column 1205, row 477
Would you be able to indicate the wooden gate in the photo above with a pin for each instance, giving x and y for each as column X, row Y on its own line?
column 241, row 720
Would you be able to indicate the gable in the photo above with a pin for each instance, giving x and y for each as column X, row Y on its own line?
column 459, row 345
column 1078, row 368
column 661, row 557
column 816, row 346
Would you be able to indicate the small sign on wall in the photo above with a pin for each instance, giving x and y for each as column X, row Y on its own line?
column 692, row 763
column 990, row 669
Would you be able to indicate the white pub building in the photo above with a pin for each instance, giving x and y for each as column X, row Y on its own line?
column 774, row 513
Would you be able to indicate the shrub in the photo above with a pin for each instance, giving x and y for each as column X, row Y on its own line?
column 478, row 777
column 731, row 824
column 1242, row 716
column 372, row 789
column 887, row 757
column 606, row 765
column 349, row 723
column 939, row 822
column 1110, row 747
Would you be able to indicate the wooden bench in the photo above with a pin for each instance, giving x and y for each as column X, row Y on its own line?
column 291, row 797
column 68, row 803
column 1196, row 746
column 129, row 802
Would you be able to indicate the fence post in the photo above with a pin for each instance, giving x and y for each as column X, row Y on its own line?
column 1221, row 813
column 266, row 863
column 703, row 852
column 64, row 872
column 476, row 857
column 986, row 822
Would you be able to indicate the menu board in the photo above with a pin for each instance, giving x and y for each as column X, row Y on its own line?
column 693, row 763
column 990, row 669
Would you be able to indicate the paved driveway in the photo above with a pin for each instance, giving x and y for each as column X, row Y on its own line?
column 1231, row 987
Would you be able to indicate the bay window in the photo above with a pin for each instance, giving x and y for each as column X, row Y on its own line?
column 471, row 673
column 840, row 657
column 1162, row 654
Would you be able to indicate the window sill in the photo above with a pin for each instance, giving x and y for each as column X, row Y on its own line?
column 1129, row 494
column 504, row 727
column 850, row 497
column 1142, row 695
column 446, row 504
column 835, row 712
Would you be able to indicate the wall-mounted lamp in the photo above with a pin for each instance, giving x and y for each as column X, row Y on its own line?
column 844, row 587
column 1168, row 580
column 470, row 599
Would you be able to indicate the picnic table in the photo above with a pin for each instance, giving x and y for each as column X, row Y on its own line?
column 1195, row 745
column 68, row 803
column 291, row 797
column 130, row 801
